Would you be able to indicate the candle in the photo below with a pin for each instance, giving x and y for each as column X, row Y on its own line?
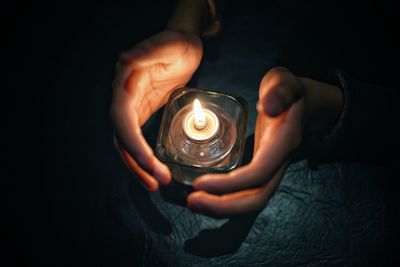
column 201, row 132
column 200, row 124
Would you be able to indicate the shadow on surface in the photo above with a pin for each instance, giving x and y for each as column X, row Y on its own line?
column 224, row 240
column 208, row 243
column 149, row 212
column 221, row 241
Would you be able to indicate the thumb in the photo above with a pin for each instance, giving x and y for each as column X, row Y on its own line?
column 279, row 89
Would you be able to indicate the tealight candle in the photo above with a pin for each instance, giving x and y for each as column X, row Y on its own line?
column 200, row 124
column 198, row 137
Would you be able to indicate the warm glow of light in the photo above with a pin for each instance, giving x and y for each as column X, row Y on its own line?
column 200, row 121
column 200, row 124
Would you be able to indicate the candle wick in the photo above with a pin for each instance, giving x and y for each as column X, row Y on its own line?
column 200, row 124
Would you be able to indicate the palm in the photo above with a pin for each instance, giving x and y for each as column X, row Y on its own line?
column 249, row 187
column 169, row 66
column 146, row 75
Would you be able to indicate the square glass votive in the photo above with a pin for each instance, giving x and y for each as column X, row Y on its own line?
column 201, row 132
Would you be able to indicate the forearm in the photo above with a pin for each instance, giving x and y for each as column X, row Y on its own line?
column 189, row 16
column 359, row 127
column 324, row 103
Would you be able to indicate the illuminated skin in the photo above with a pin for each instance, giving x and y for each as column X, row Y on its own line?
column 286, row 110
column 289, row 107
column 146, row 76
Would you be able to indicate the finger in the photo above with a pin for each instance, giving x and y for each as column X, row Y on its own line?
column 234, row 203
column 259, row 128
column 145, row 179
column 150, row 51
column 278, row 90
column 131, row 138
column 266, row 161
column 132, row 54
column 241, row 178
column 128, row 129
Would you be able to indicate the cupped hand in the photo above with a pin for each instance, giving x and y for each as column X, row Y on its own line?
column 145, row 77
column 279, row 130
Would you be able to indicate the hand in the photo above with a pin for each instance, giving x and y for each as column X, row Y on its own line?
column 279, row 130
column 145, row 77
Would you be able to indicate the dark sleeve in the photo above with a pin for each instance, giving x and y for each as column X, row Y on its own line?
column 367, row 129
column 215, row 7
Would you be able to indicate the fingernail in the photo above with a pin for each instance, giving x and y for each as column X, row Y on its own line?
column 274, row 105
column 126, row 57
column 197, row 184
column 162, row 173
column 151, row 187
column 194, row 205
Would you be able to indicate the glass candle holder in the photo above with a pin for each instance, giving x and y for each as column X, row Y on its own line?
column 201, row 132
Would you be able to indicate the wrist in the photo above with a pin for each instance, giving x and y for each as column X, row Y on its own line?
column 189, row 16
column 324, row 104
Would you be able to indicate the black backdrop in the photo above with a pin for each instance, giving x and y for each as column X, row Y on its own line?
column 60, row 60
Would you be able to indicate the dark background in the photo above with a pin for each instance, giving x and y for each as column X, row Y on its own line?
column 60, row 60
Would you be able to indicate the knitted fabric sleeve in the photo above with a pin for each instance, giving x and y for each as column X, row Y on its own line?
column 367, row 127
column 215, row 7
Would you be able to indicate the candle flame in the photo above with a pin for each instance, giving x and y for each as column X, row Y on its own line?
column 199, row 116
